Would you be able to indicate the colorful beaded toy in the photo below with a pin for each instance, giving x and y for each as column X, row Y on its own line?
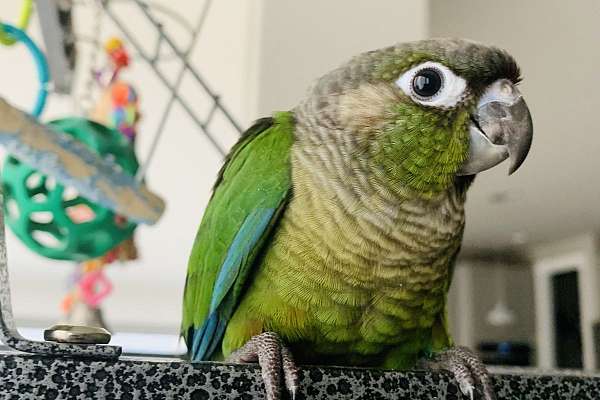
column 117, row 108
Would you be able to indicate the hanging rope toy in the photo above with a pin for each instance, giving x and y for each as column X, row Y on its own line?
column 117, row 108
column 118, row 104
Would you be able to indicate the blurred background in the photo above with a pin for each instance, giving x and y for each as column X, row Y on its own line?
column 526, row 288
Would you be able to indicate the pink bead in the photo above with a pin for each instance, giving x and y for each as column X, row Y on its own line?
column 94, row 287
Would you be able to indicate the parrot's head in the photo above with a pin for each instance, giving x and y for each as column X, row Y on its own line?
column 427, row 114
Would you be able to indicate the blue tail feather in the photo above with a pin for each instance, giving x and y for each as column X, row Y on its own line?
column 207, row 338
column 202, row 338
column 244, row 241
column 219, row 333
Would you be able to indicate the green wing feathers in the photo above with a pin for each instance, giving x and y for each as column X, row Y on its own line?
column 250, row 193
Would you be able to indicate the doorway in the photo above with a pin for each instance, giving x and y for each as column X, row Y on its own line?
column 567, row 320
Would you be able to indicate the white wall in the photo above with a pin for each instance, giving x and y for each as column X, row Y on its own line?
column 302, row 40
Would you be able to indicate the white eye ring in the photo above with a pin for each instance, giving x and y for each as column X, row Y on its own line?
column 450, row 93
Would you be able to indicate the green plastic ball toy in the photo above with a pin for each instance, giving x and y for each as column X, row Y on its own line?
column 56, row 222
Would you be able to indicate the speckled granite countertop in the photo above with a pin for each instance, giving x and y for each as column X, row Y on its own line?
column 24, row 376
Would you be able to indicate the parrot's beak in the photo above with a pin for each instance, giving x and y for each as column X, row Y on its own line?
column 501, row 128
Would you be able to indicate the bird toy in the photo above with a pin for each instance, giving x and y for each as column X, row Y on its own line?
column 117, row 59
column 118, row 109
column 69, row 186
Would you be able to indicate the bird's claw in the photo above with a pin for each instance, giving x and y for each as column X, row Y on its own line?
column 274, row 359
column 467, row 369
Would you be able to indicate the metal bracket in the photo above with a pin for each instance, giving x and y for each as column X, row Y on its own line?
column 12, row 338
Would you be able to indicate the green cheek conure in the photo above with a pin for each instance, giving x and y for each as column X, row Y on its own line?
column 333, row 228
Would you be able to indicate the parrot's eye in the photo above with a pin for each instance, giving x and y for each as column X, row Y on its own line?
column 433, row 84
column 427, row 82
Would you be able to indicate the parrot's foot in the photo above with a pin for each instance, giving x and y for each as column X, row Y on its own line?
column 274, row 359
column 467, row 369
